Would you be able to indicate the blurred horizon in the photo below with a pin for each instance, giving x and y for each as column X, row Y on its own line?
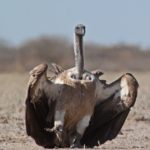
column 117, row 34
column 117, row 57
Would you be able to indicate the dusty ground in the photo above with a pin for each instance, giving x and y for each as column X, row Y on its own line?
column 136, row 130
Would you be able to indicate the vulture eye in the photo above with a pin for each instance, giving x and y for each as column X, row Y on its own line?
column 89, row 78
column 73, row 76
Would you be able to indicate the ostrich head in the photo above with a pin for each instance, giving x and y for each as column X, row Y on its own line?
column 80, row 30
column 79, row 73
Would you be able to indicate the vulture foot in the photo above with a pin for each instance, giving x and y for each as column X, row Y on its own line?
column 76, row 141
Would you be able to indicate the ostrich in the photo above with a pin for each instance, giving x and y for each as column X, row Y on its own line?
column 76, row 107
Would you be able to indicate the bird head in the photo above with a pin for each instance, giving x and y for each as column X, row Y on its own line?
column 80, row 29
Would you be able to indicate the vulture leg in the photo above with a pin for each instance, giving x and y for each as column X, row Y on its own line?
column 110, row 115
column 81, row 126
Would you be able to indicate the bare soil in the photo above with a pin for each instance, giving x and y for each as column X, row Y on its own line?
column 135, row 134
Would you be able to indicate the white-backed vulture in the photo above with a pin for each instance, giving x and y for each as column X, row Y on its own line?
column 76, row 107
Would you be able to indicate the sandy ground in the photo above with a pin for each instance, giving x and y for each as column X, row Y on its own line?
column 135, row 132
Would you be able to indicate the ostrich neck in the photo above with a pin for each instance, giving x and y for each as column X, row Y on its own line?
column 78, row 50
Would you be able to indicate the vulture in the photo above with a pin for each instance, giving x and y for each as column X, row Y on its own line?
column 75, row 108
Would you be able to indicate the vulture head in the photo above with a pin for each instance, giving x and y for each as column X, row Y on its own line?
column 76, row 107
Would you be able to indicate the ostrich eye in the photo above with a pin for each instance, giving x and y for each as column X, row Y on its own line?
column 77, row 28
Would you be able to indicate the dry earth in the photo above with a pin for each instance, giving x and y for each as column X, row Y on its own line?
column 135, row 132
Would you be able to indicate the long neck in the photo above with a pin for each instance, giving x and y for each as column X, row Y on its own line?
column 78, row 50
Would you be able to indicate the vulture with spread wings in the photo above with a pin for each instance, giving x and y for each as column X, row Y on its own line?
column 75, row 108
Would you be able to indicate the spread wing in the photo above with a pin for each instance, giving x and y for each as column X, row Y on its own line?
column 54, row 71
column 40, row 108
column 111, row 111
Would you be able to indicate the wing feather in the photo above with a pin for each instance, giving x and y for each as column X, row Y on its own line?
column 39, row 106
column 111, row 113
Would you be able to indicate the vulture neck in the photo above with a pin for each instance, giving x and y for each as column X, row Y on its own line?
column 79, row 60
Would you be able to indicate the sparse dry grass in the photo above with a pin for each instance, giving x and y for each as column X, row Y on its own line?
column 136, row 131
